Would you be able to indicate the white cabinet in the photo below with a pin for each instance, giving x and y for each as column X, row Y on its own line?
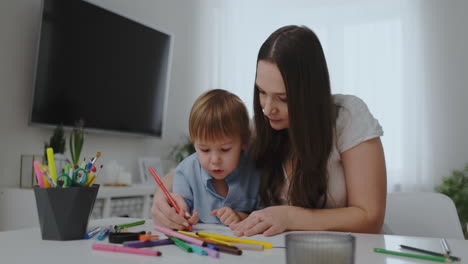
column 133, row 201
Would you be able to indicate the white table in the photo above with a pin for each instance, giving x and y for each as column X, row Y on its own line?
column 26, row 246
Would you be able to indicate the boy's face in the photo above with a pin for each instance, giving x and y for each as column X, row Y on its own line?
column 219, row 158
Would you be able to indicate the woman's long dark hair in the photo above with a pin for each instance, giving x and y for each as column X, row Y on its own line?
column 308, row 142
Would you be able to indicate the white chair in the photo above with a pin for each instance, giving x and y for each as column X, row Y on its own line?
column 424, row 214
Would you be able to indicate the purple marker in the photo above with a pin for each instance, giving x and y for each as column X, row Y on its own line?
column 150, row 243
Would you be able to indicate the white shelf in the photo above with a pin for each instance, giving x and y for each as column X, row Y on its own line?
column 110, row 195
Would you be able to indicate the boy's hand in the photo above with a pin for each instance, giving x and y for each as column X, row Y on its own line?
column 165, row 215
column 227, row 215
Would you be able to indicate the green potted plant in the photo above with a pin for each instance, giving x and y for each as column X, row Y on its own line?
column 57, row 143
column 182, row 150
column 76, row 142
column 456, row 187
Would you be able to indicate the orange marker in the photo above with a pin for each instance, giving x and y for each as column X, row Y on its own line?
column 148, row 237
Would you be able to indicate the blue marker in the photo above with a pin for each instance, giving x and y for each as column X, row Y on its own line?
column 212, row 246
column 88, row 166
column 91, row 233
column 103, row 233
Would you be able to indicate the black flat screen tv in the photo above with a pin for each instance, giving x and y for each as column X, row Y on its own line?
column 100, row 67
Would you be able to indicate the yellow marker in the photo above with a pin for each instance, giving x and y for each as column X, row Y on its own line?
column 212, row 239
column 51, row 161
column 234, row 239
column 220, row 241
column 90, row 181
column 187, row 233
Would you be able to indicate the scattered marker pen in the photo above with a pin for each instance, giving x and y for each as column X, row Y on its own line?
column 103, row 233
column 197, row 250
column 51, row 161
column 91, row 233
column 181, row 244
column 114, row 248
column 142, row 222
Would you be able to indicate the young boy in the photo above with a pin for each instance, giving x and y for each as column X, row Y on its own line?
column 219, row 181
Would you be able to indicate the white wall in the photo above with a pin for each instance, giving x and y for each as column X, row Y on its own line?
column 19, row 22
column 215, row 47
column 408, row 60
column 446, row 53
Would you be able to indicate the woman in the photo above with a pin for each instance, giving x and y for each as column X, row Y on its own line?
column 321, row 157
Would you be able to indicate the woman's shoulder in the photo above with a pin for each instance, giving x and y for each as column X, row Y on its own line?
column 354, row 123
column 348, row 101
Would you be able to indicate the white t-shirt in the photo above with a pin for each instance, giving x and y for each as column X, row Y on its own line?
column 354, row 125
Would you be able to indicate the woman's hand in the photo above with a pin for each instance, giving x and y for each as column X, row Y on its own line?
column 226, row 215
column 270, row 221
column 165, row 215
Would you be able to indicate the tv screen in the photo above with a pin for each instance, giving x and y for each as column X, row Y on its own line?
column 100, row 67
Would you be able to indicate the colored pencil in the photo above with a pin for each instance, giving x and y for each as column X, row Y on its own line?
column 445, row 247
column 409, row 255
column 453, row 258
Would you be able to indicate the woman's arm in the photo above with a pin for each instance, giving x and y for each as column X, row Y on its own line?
column 366, row 186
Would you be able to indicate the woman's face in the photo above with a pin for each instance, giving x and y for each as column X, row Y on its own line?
column 272, row 94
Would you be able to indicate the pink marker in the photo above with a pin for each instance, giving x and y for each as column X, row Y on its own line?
column 140, row 251
column 39, row 175
column 169, row 232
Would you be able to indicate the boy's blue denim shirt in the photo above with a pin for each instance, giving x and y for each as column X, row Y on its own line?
column 194, row 184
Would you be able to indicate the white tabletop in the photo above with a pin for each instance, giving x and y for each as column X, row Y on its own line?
column 26, row 246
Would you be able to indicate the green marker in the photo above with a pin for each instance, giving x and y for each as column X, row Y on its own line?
column 181, row 244
column 130, row 224
column 409, row 255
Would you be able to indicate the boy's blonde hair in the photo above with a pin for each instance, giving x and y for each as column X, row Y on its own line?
column 217, row 114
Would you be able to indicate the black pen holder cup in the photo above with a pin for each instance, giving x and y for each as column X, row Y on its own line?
column 64, row 212
column 320, row 248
